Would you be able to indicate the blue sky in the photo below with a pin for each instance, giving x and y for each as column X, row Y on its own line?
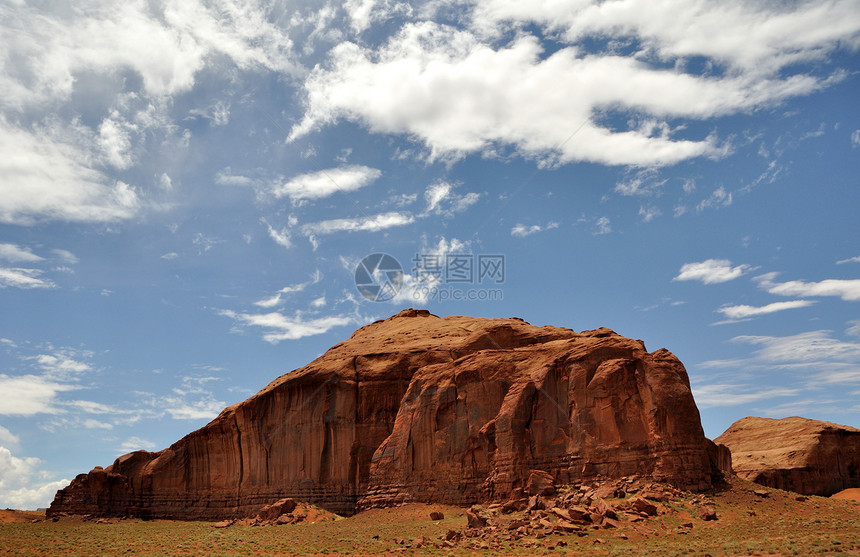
column 186, row 188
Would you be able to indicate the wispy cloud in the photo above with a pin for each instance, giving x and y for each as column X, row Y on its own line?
column 280, row 327
column 602, row 226
column 17, row 254
column 742, row 311
column 372, row 223
column 733, row 394
column 712, row 271
column 848, row 290
column 719, row 198
column 135, row 443
column 324, row 183
column 24, row 279
column 855, row 259
column 521, row 230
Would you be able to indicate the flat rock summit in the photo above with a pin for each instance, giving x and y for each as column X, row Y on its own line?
column 796, row 454
column 455, row 410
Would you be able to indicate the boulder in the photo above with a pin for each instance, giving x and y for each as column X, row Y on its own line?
column 454, row 410
column 806, row 456
column 539, row 483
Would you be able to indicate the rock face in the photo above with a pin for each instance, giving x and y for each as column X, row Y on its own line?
column 797, row 454
column 452, row 410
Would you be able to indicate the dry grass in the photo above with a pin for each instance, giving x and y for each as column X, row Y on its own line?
column 747, row 525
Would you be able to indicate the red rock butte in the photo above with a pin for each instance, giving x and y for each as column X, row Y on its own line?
column 454, row 410
column 796, row 454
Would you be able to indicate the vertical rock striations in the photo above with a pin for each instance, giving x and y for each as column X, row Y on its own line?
column 416, row 407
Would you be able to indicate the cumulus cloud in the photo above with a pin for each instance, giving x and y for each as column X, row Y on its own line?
column 846, row 289
column 743, row 311
column 712, row 271
column 49, row 175
column 461, row 91
column 23, row 484
column 280, row 327
column 324, row 183
column 746, row 37
column 460, row 96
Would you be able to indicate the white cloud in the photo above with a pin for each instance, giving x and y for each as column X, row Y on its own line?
column 371, row 223
column 280, row 327
column 649, row 213
column 23, row 278
column 23, row 484
column 855, row 259
column 604, row 226
column 853, row 329
column 712, row 271
column 16, row 254
column 166, row 47
column 135, row 444
column 719, row 198
column 363, row 13
column 744, row 311
column 281, row 237
column 65, row 255
column 61, row 364
column 521, row 230
column 460, row 96
column 49, row 175
column 170, row 256
column 218, row 114
column 441, row 199
column 748, row 37
column 848, row 290
column 855, row 138
column 473, row 90
column 277, row 298
column 813, row 346
column 27, row 395
column 428, row 270
column 730, row 394
column 642, row 182
column 324, row 183
column 7, row 438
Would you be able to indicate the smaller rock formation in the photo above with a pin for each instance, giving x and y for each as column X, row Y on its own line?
column 796, row 454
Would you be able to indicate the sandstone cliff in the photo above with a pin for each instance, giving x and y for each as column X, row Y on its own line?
column 797, row 454
column 455, row 410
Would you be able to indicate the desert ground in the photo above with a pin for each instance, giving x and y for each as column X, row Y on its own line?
column 751, row 520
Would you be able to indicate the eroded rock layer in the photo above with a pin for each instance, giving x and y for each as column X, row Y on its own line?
column 453, row 410
column 797, row 454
